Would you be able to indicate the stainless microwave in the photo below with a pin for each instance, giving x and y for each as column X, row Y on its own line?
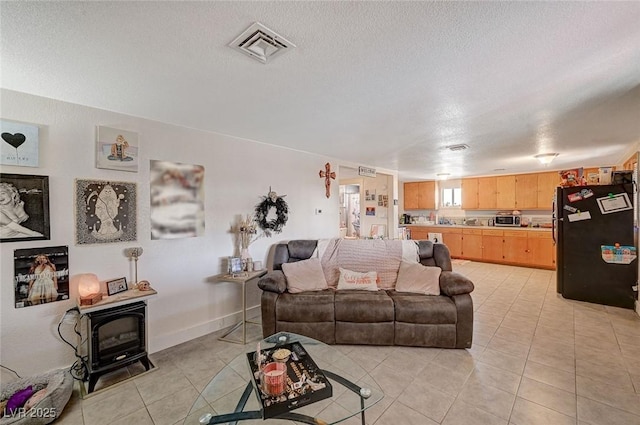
column 507, row 220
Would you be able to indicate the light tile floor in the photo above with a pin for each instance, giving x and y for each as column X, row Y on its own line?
column 536, row 359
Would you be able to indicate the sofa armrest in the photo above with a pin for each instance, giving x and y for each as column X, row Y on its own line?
column 452, row 283
column 274, row 281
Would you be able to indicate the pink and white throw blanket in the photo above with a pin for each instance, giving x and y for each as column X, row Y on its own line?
column 365, row 255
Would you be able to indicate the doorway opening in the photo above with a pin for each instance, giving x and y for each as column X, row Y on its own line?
column 350, row 211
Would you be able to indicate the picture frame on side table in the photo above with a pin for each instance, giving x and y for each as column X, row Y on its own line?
column 116, row 286
column 235, row 265
column 25, row 207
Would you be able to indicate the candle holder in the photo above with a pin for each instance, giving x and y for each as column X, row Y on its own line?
column 134, row 253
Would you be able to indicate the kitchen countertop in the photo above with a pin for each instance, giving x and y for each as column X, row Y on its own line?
column 464, row 226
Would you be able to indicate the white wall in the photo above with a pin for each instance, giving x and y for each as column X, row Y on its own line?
column 237, row 174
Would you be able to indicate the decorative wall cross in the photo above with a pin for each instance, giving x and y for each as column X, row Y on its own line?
column 327, row 174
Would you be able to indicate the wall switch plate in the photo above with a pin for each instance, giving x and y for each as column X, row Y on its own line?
column 318, row 211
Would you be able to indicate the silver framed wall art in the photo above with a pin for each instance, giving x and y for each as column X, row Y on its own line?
column 24, row 208
column 105, row 211
column 117, row 149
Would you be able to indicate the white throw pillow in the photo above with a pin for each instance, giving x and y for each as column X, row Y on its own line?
column 355, row 280
column 416, row 278
column 305, row 275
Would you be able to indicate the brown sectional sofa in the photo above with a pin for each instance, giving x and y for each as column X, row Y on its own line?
column 384, row 317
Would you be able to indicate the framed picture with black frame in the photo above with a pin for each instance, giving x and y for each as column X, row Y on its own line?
column 24, row 208
column 116, row 286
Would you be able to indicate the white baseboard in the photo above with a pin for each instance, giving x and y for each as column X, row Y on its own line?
column 161, row 342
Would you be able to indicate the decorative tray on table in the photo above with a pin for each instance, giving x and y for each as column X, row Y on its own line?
column 304, row 383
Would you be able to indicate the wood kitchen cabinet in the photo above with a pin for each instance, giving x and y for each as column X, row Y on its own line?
column 492, row 245
column 420, row 195
column 521, row 247
column 487, row 193
column 411, row 196
column 470, row 194
column 419, row 233
column 506, row 192
column 472, row 244
column 547, row 183
column 542, row 250
column 522, row 191
column 452, row 238
column 526, row 191
column 516, row 248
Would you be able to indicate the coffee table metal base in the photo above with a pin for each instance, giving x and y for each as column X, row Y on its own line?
column 240, row 415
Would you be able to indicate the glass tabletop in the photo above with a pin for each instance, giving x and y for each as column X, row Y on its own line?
column 231, row 397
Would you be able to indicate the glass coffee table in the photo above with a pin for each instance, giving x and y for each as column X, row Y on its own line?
column 231, row 396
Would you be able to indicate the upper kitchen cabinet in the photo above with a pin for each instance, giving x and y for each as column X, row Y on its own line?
column 469, row 194
column 420, row 195
column 487, row 193
column 527, row 191
column 547, row 183
column 506, row 192
column 533, row 191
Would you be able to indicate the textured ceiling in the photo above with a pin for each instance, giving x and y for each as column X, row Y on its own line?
column 386, row 84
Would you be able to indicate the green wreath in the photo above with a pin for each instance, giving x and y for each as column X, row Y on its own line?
column 262, row 211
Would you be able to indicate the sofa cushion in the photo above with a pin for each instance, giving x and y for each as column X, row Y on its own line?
column 416, row 278
column 356, row 280
column 306, row 307
column 304, row 276
column 426, row 309
column 363, row 306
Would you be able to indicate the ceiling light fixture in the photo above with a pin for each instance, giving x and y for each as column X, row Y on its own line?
column 546, row 158
column 443, row 176
column 456, row 148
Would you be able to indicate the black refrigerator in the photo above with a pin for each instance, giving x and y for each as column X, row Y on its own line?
column 590, row 221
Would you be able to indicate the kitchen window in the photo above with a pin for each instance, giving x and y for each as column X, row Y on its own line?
column 450, row 194
column 451, row 197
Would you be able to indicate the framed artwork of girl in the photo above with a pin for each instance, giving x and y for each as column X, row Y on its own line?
column 41, row 275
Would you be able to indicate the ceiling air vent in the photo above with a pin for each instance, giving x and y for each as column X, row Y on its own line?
column 456, row 148
column 260, row 43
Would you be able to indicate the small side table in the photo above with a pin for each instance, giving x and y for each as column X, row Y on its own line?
column 242, row 278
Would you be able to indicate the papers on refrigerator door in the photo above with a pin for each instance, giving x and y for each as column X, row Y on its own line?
column 586, row 215
column 614, row 203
